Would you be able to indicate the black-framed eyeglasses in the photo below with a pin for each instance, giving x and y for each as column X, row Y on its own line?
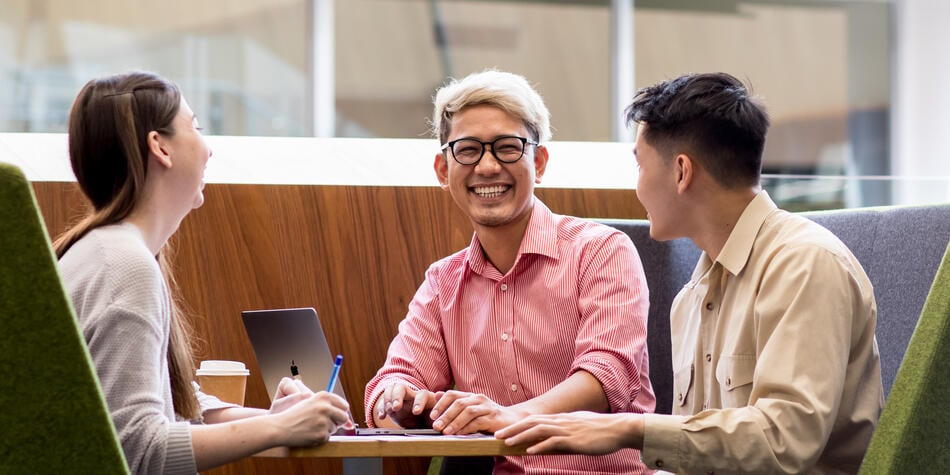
column 506, row 149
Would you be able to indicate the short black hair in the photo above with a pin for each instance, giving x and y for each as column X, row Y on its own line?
column 712, row 118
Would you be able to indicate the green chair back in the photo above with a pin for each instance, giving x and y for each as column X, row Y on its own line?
column 913, row 435
column 53, row 417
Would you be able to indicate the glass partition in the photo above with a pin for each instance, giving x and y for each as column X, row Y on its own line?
column 822, row 67
column 821, row 192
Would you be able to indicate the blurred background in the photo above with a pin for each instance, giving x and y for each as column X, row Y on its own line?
column 853, row 87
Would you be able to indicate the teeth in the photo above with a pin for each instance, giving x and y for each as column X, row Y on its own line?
column 490, row 191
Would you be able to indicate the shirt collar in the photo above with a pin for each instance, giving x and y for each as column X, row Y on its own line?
column 540, row 237
column 735, row 252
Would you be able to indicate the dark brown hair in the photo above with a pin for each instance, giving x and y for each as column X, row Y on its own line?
column 711, row 117
column 108, row 148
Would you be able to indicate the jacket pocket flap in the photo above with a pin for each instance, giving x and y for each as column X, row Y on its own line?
column 735, row 371
column 682, row 382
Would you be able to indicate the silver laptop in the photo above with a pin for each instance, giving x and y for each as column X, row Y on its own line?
column 282, row 338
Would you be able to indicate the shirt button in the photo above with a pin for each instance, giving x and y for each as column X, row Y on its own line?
column 679, row 397
column 728, row 381
column 705, row 406
column 514, row 387
column 658, row 463
column 708, row 357
column 504, row 337
column 709, row 305
column 504, row 287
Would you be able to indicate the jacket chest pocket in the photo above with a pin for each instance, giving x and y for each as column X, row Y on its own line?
column 682, row 384
column 735, row 374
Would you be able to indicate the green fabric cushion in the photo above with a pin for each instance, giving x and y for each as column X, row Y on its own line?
column 913, row 435
column 53, row 417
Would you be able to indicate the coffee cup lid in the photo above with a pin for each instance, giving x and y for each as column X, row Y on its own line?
column 222, row 367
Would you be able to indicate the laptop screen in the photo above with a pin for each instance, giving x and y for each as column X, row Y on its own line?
column 294, row 337
column 286, row 337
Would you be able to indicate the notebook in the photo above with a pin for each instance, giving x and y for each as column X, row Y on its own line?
column 294, row 336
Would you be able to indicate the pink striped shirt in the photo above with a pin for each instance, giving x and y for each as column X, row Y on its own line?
column 575, row 299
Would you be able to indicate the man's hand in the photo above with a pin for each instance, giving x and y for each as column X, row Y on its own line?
column 405, row 405
column 458, row 412
column 588, row 433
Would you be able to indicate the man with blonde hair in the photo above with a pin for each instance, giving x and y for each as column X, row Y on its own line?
column 540, row 314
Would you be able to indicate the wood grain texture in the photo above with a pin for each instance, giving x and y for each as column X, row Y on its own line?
column 400, row 445
column 356, row 254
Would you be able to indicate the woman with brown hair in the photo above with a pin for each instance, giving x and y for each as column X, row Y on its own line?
column 138, row 155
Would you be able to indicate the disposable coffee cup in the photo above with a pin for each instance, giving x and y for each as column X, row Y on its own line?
column 226, row 380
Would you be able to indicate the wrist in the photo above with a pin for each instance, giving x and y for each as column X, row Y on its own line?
column 273, row 429
column 632, row 427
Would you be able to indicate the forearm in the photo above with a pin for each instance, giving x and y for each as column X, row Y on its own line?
column 581, row 391
column 217, row 416
column 218, row 444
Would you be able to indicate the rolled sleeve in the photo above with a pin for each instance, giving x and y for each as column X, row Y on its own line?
column 611, row 343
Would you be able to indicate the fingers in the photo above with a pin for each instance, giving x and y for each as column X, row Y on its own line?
column 421, row 402
column 552, row 445
column 313, row 418
column 288, row 386
column 333, row 399
column 392, row 399
column 514, row 429
column 444, row 401
column 540, row 438
column 536, row 439
column 398, row 394
column 471, row 420
column 326, row 405
column 400, row 399
column 466, row 413
column 339, row 416
column 283, row 403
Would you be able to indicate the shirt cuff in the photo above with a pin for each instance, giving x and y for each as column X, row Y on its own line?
column 179, row 457
column 662, row 441
column 208, row 402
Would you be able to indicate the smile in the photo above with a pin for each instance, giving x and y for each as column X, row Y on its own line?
column 491, row 191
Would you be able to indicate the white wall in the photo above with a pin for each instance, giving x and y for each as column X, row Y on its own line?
column 337, row 161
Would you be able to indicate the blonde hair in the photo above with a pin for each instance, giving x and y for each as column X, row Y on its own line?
column 507, row 91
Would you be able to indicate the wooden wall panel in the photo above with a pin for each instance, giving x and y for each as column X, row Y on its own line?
column 356, row 254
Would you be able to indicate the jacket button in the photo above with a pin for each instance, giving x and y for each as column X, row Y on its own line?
column 709, row 306
column 658, row 463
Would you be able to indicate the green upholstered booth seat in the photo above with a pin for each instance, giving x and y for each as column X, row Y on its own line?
column 53, row 417
column 913, row 435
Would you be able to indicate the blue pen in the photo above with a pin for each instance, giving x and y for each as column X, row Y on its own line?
column 335, row 374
